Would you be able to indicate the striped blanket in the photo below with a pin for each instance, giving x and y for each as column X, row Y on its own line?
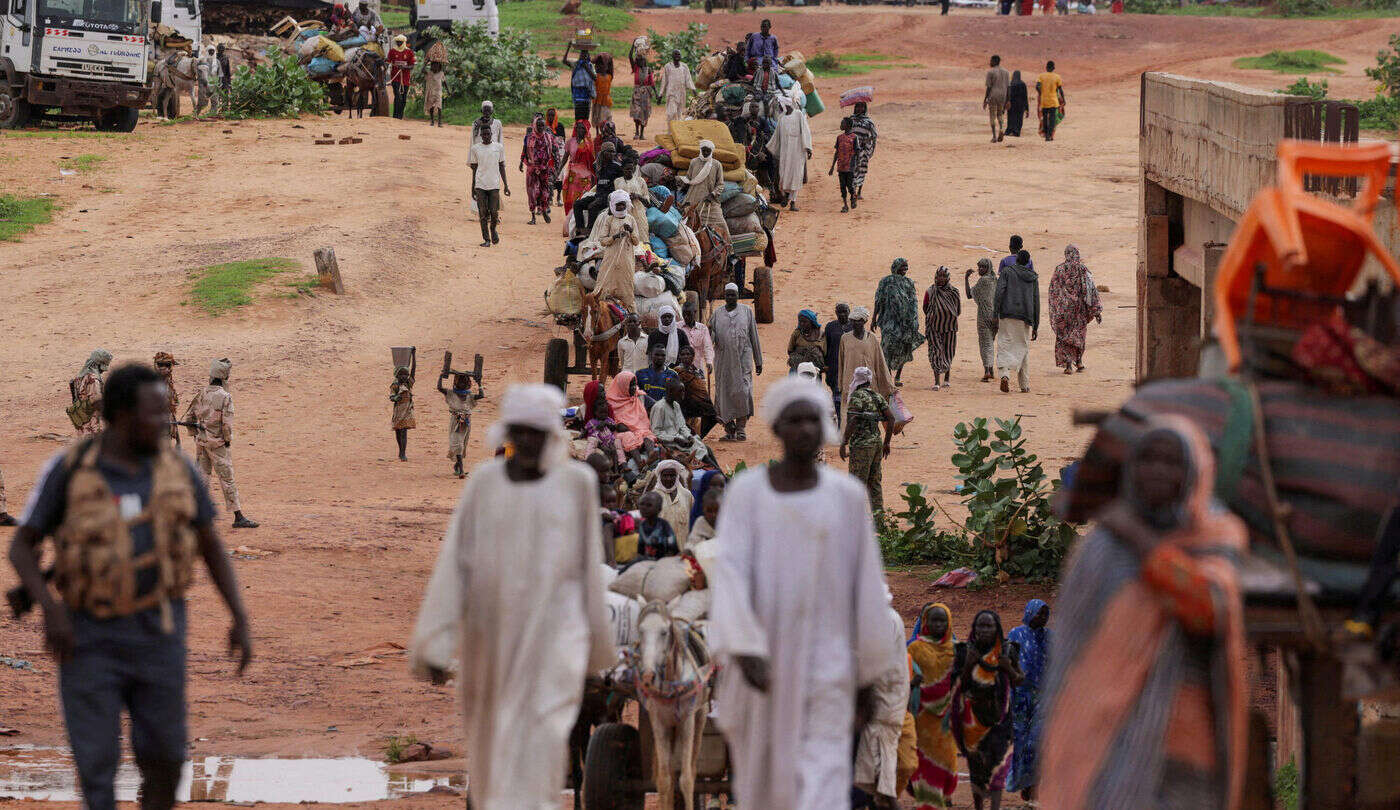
column 1336, row 460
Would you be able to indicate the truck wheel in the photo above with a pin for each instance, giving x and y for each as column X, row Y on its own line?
column 117, row 119
column 556, row 363
column 763, row 294
column 14, row 111
column 614, row 759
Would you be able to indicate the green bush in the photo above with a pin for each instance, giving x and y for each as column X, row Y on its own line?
column 278, row 88
column 690, row 42
column 1302, row 87
column 1380, row 113
column 1011, row 523
column 1286, row 786
column 505, row 70
column 1146, row 6
column 824, row 60
column 1304, row 61
column 1304, row 8
column 910, row 537
column 1387, row 69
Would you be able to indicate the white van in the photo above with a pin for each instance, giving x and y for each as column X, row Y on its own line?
column 442, row 13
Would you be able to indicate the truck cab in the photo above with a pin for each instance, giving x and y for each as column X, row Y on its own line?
column 74, row 60
column 424, row 14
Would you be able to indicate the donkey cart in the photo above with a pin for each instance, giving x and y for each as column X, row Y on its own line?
column 618, row 768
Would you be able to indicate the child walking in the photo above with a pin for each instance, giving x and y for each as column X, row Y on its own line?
column 432, row 92
column 842, row 161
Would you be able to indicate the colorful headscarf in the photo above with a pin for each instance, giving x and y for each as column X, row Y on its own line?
column 811, row 317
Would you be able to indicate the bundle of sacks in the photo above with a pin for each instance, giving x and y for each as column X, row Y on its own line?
column 325, row 54
column 680, row 582
column 717, row 92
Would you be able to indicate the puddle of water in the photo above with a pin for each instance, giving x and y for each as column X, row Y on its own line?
column 47, row 774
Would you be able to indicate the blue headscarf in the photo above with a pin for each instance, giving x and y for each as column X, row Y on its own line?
column 1034, row 643
column 810, row 316
column 698, row 508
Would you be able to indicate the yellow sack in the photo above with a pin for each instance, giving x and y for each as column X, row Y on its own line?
column 731, row 158
column 374, row 48
column 665, row 141
column 735, row 175
column 748, row 183
column 329, row 49
column 679, row 162
column 625, row 548
column 795, row 64
column 565, row 295
column 807, row 81
column 691, row 133
column 709, row 69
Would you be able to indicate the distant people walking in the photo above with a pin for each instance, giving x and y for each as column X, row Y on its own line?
column 602, row 88
column 738, row 356
column 860, row 348
column 676, row 84
column 1050, row 91
column 994, row 99
column 1015, row 243
column 867, row 135
column 897, row 318
column 791, row 144
column 1074, row 301
column 833, row 332
column 401, row 60
column 1017, row 105
column 432, row 92
column 578, row 172
column 843, row 160
column 942, row 306
column 583, row 82
column 537, row 161
column 984, row 292
column 643, row 80
column 488, row 162
column 1018, row 321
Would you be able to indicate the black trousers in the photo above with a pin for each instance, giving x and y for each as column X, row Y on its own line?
column 400, row 99
column 1049, row 117
column 488, row 210
column 581, row 110
column 846, row 186
column 704, row 411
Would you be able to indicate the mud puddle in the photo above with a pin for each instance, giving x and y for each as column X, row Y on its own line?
column 48, row 774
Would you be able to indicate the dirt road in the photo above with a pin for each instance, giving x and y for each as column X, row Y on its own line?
column 352, row 532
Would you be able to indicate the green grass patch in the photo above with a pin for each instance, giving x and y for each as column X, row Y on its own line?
column 1308, row 61
column 19, row 215
column 1336, row 12
column 220, row 288
column 828, row 64
column 82, row 163
column 551, row 32
column 54, row 134
column 394, row 18
column 463, row 112
column 395, row 745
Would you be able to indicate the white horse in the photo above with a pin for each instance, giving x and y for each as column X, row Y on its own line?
column 673, row 685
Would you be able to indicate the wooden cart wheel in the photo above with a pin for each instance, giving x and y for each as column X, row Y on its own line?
column 556, row 363
column 612, row 768
column 763, row 294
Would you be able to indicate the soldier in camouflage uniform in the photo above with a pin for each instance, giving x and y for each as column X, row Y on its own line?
column 87, row 388
column 165, row 367
column 212, row 410
column 866, row 410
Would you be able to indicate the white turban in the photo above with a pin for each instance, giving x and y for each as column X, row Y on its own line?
column 533, row 405
column 672, row 338
column 707, row 145
column 807, row 369
column 860, row 314
column 619, row 203
column 796, row 388
column 861, row 376
column 731, row 287
column 219, row 369
column 681, row 476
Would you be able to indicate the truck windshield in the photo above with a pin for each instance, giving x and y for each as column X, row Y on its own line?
column 126, row 15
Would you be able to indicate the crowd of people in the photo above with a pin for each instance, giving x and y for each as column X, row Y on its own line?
column 1007, row 101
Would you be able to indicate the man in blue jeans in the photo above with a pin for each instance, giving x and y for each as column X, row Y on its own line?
column 128, row 515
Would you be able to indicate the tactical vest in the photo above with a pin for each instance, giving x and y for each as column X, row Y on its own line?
column 96, row 569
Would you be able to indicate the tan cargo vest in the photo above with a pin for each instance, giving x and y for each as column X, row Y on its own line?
column 96, row 567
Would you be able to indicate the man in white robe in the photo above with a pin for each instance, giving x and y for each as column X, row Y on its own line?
column 877, row 750
column 676, row 82
column 516, row 590
column 737, row 356
column 791, row 144
column 799, row 619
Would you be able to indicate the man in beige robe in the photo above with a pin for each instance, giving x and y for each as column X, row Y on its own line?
column 859, row 347
column 516, row 597
column 676, row 83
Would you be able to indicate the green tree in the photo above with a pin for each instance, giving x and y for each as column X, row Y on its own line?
column 278, row 88
column 506, row 69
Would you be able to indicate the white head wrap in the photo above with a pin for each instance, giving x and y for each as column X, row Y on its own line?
column 487, row 105
column 220, row 369
column 673, row 340
column 707, row 145
column 796, row 388
column 860, row 314
column 681, row 476
column 807, row 369
column 861, row 376
column 799, row 99
column 731, row 286
column 619, row 203
column 533, row 405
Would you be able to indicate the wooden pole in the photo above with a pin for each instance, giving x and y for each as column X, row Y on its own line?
column 328, row 269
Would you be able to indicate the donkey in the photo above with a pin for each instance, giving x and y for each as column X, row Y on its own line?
column 601, row 328
column 673, row 685
column 364, row 82
column 712, row 272
column 176, row 74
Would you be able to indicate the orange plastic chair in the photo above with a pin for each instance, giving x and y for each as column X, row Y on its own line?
column 1310, row 249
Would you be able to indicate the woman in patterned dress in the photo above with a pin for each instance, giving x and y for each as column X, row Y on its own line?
column 938, row 658
column 1074, row 301
column 981, row 712
column 537, row 159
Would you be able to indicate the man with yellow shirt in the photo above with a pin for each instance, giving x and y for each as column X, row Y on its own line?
column 1050, row 90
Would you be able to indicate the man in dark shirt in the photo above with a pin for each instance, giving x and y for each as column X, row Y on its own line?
column 653, row 379
column 762, row 44
column 1010, row 261
column 833, row 332
column 133, row 658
